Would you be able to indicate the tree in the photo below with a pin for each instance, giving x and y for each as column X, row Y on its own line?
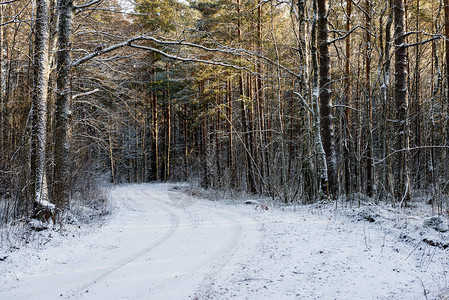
column 348, row 134
column 369, row 102
column 62, row 114
column 325, row 98
column 403, row 187
column 40, row 92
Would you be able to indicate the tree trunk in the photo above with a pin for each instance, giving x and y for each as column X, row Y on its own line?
column 325, row 98
column 369, row 153
column 348, row 134
column 40, row 93
column 417, row 78
column 446, row 75
column 309, row 183
column 3, row 73
column 386, row 95
column 167, row 130
column 260, row 96
column 319, row 148
column 446, row 31
column 204, row 138
column 243, row 111
column 229, row 112
column 402, row 189
column 186, row 144
column 63, row 104
column 154, row 176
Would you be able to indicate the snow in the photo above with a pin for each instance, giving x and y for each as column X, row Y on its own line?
column 45, row 203
column 159, row 243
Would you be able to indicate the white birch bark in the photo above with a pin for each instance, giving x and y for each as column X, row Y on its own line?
column 40, row 92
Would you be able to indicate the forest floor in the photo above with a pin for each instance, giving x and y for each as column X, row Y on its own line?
column 159, row 242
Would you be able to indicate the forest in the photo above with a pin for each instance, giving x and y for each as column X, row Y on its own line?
column 299, row 101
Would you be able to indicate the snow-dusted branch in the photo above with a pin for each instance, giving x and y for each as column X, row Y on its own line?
column 131, row 43
column 346, row 34
column 85, row 94
column 225, row 50
column 346, row 107
column 86, row 5
column 242, row 53
column 8, row 2
column 16, row 17
column 304, row 102
column 195, row 60
column 406, row 45
column 103, row 51
column 409, row 149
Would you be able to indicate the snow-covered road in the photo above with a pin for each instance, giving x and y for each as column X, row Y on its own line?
column 159, row 244
column 162, row 244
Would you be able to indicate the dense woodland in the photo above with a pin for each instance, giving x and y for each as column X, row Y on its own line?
column 295, row 100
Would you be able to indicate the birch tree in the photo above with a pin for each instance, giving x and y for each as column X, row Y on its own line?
column 40, row 92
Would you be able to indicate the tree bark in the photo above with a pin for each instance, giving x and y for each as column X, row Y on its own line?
column 403, row 192
column 348, row 134
column 63, row 106
column 446, row 75
column 3, row 73
column 327, row 129
column 250, row 181
column 40, row 93
column 322, row 165
column 386, row 95
column 229, row 112
column 167, row 129
column 154, row 176
column 369, row 153
column 417, row 79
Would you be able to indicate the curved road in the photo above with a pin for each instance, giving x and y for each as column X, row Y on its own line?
column 159, row 244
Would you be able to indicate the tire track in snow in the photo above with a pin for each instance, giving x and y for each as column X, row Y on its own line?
column 221, row 258
column 218, row 260
column 174, row 224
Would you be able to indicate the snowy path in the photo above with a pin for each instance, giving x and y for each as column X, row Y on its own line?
column 162, row 244
column 159, row 245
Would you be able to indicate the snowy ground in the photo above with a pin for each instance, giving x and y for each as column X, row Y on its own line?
column 159, row 243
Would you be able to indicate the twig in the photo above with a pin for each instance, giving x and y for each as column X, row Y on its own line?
column 424, row 289
column 414, row 250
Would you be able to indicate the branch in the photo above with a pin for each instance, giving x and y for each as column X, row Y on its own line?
column 103, row 51
column 346, row 35
column 232, row 51
column 85, row 5
column 85, row 94
column 346, row 107
column 409, row 149
column 9, row 22
column 187, row 59
column 226, row 50
column 419, row 43
column 8, row 2
column 361, row 8
column 15, row 19
column 304, row 102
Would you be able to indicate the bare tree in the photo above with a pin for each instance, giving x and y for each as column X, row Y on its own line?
column 325, row 97
column 63, row 99
column 40, row 92
column 348, row 134
column 403, row 188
